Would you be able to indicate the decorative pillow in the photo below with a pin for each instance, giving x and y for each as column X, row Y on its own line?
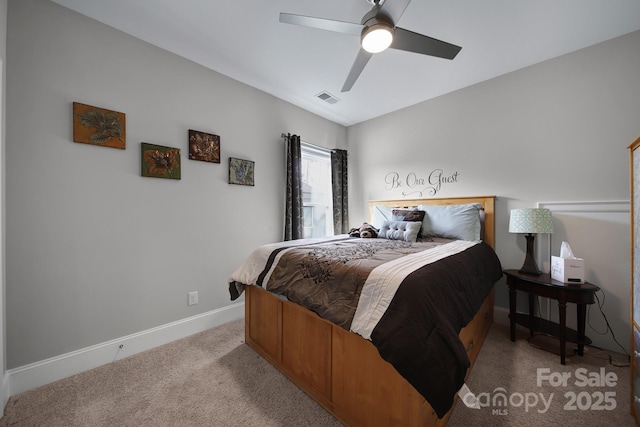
column 400, row 230
column 380, row 214
column 461, row 222
column 409, row 215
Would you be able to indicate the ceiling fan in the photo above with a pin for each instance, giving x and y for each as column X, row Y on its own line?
column 378, row 31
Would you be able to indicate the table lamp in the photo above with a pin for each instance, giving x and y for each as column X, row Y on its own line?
column 530, row 221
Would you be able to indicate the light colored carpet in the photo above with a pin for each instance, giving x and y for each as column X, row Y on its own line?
column 511, row 369
column 208, row 379
column 214, row 379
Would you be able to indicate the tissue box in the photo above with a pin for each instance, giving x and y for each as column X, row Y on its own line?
column 567, row 270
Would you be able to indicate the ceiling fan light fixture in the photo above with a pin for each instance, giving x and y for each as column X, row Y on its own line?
column 377, row 37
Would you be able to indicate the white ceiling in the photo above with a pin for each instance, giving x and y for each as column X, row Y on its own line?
column 244, row 40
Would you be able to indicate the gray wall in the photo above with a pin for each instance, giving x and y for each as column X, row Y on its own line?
column 555, row 131
column 94, row 250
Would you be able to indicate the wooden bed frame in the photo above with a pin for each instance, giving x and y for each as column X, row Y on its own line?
column 341, row 370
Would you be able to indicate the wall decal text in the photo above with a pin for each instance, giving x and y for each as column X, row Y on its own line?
column 413, row 183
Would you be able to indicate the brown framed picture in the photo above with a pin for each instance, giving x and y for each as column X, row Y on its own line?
column 159, row 161
column 98, row 126
column 204, row 146
column 241, row 172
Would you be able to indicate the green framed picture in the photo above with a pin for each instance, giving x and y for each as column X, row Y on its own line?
column 159, row 161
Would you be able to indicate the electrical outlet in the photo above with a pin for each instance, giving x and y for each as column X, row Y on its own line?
column 193, row 298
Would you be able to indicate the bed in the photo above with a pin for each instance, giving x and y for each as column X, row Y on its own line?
column 348, row 374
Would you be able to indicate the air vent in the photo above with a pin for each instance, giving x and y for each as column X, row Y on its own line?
column 326, row 96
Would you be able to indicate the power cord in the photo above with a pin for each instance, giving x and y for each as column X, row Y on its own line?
column 602, row 354
column 608, row 329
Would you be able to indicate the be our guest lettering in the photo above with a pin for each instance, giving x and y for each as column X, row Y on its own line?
column 413, row 183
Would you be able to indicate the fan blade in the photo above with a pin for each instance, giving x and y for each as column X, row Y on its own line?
column 418, row 43
column 323, row 24
column 394, row 9
column 357, row 67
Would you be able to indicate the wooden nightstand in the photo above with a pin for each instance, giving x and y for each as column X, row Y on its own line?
column 544, row 286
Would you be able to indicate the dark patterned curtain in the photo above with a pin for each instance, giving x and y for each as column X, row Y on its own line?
column 339, row 186
column 293, row 208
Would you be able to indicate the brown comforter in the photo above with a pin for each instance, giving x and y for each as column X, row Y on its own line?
column 328, row 279
column 418, row 333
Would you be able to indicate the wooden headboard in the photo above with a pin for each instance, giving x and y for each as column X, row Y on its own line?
column 487, row 203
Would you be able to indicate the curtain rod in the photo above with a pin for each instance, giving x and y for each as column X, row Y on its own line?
column 285, row 136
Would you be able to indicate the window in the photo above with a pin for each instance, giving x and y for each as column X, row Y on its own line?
column 316, row 192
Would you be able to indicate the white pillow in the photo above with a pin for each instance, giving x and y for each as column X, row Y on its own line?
column 380, row 214
column 461, row 222
column 400, row 230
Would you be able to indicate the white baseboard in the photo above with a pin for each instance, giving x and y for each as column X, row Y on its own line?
column 4, row 392
column 36, row 374
column 24, row 378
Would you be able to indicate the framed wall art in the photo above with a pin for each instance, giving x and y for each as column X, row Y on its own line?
column 98, row 126
column 204, row 146
column 241, row 172
column 159, row 161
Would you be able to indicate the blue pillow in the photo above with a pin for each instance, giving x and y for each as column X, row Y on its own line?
column 460, row 222
column 380, row 214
